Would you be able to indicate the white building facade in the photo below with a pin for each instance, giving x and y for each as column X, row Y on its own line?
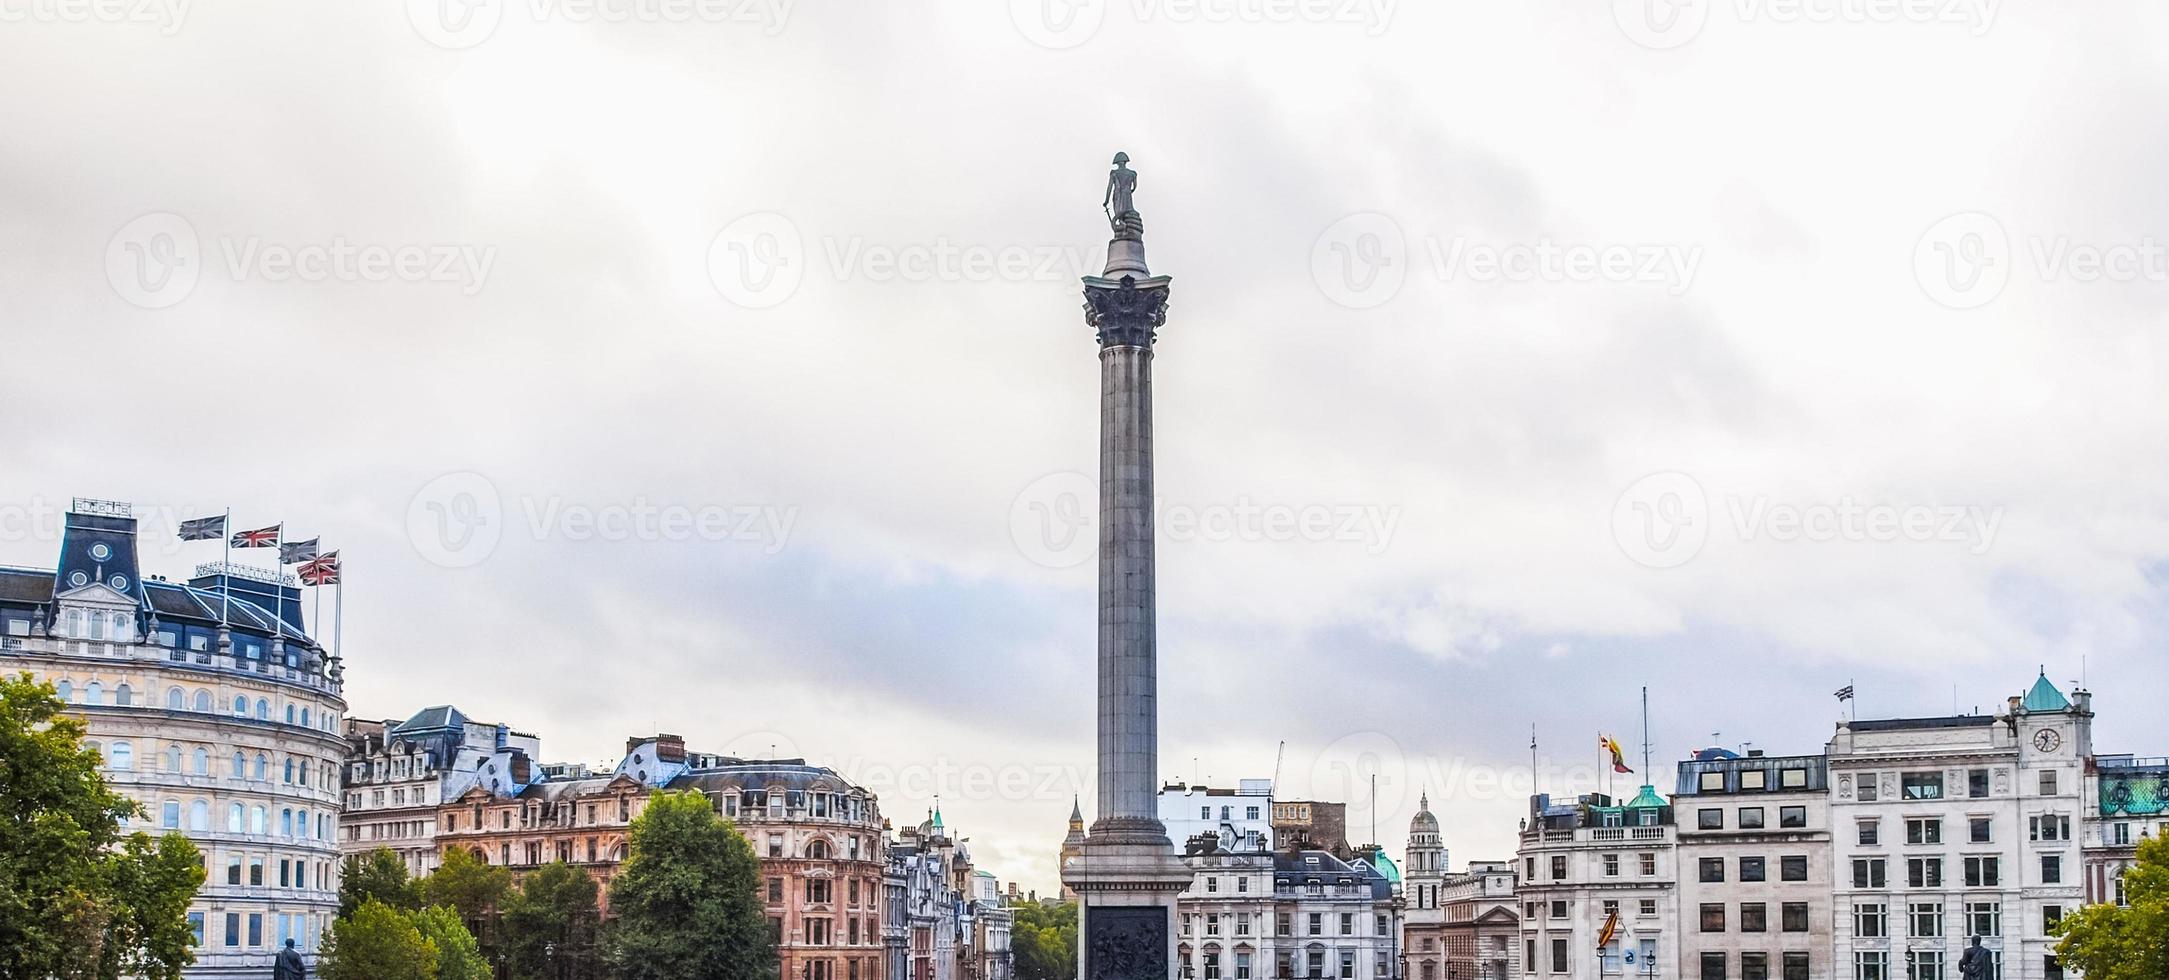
column 1948, row 828
column 1591, row 863
column 1754, row 863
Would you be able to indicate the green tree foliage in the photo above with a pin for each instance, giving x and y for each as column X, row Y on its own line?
column 459, row 957
column 80, row 900
column 549, row 925
column 1043, row 942
column 2109, row 942
column 378, row 942
column 687, row 900
column 467, row 884
column 379, row 875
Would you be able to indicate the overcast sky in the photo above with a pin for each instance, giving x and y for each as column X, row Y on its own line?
column 718, row 367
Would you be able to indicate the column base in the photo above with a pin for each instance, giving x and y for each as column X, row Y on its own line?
column 1126, row 882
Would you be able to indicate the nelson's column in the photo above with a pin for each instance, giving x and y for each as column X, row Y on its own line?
column 1128, row 875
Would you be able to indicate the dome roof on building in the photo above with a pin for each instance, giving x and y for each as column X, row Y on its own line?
column 1646, row 798
column 1386, row 866
column 1423, row 822
column 2045, row 696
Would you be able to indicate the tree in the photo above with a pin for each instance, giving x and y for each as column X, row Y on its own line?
column 687, row 900
column 78, row 898
column 379, row 875
column 378, row 942
column 1043, row 941
column 459, row 957
column 2110, row 942
column 467, row 884
column 549, row 925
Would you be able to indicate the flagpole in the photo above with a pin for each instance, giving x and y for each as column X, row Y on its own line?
column 1533, row 787
column 338, row 610
column 225, row 572
column 1645, row 736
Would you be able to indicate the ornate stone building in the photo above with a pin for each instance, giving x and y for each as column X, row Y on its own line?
column 1483, row 923
column 818, row 839
column 1423, row 929
column 213, row 708
column 1582, row 864
column 399, row 772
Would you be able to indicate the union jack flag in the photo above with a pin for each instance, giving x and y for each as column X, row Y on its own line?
column 320, row 571
column 267, row 537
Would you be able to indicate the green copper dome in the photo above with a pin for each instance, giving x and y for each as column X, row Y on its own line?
column 1647, row 797
column 2045, row 696
column 1386, row 866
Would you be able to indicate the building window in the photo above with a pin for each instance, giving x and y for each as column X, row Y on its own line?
column 1978, row 830
column 1983, row 872
column 1869, row 873
column 1648, row 907
column 1713, row 966
column 1558, row 867
column 1750, row 817
column 1713, row 917
column 1923, row 830
column 1796, row 966
column 1870, row 833
column 1710, row 819
column 1921, row 785
column 1712, row 782
column 1559, row 955
column 1754, row 966
column 2048, row 782
column 1753, row 779
column 1792, row 816
column 1648, row 864
column 1977, row 783
column 1792, row 867
column 1754, row 917
column 1927, row 919
column 1924, row 872
column 2052, row 869
column 1793, row 917
column 1753, row 869
column 1611, row 865
column 1871, row 920
column 1984, row 919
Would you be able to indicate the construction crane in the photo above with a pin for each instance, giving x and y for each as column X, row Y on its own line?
column 1278, row 755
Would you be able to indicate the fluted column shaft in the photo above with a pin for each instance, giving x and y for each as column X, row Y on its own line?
column 1129, row 710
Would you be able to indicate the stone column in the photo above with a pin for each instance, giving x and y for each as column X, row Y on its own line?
column 1129, row 874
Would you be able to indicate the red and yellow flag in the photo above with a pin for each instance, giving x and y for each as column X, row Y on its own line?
column 1619, row 759
column 1611, row 928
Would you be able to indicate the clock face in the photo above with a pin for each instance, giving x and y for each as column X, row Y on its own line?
column 2048, row 740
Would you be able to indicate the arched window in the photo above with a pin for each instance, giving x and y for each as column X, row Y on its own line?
column 93, row 693
column 176, row 700
column 65, row 691
column 240, row 706
column 122, row 628
column 818, row 850
column 263, row 766
column 74, row 627
column 233, row 818
column 173, row 758
column 122, row 756
column 286, row 822
column 259, row 820
column 200, row 761
column 199, row 815
column 263, row 710
column 203, row 701
column 289, row 770
column 289, row 714
column 304, row 717
column 124, row 695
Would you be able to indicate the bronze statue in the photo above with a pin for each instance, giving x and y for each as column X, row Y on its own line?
column 1975, row 963
column 288, row 965
column 1121, row 187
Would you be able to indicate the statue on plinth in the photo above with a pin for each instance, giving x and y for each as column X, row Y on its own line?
column 1120, row 203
